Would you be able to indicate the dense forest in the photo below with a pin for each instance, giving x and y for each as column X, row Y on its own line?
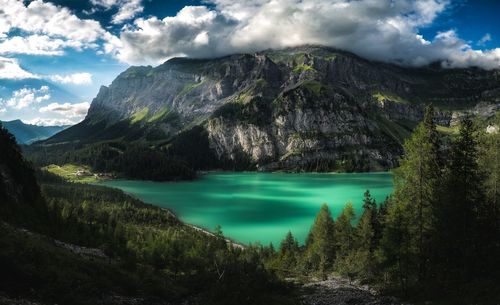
column 179, row 158
column 72, row 243
column 436, row 238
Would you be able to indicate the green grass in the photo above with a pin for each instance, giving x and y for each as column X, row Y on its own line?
column 159, row 115
column 243, row 98
column 393, row 129
column 190, row 87
column 302, row 68
column 330, row 57
column 313, row 86
column 134, row 72
column 448, row 130
column 260, row 83
column 381, row 97
column 287, row 57
column 291, row 153
column 139, row 116
column 68, row 172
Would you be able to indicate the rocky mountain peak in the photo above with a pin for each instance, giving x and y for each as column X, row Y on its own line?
column 308, row 107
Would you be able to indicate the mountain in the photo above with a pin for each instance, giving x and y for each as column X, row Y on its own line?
column 74, row 243
column 27, row 133
column 304, row 108
column 20, row 198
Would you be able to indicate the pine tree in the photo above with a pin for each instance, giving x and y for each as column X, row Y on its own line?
column 417, row 188
column 458, row 232
column 370, row 206
column 289, row 244
column 320, row 247
column 344, row 231
column 219, row 241
column 288, row 252
column 396, row 248
column 365, row 244
column 489, row 162
column 364, row 231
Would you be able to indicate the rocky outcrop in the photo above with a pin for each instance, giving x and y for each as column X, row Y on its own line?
column 341, row 292
column 306, row 108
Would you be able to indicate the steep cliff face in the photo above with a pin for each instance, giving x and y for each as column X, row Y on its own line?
column 310, row 108
column 307, row 127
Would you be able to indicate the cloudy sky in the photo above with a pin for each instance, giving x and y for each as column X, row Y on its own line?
column 54, row 55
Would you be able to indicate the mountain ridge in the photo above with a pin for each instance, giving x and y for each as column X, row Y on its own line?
column 304, row 108
column 28, row 133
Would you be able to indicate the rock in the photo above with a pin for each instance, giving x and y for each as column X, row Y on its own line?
column 307, row 108
column 338, row 291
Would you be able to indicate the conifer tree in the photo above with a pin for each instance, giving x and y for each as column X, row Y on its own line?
column 288, row 252
column 364, row 231
column 344, row 230
column 489, row 162
column 365, row 243
column 370, row 207
column 320, row 247
column 416, row 189
column 458, row 227
column 396, row 249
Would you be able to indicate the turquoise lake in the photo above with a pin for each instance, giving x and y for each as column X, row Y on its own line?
column 261, row 207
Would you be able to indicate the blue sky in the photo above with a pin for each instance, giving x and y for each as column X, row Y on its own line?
column 55, row 55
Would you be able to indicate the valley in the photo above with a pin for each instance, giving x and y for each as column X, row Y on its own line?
column 308, row 108
column 286, row 153
column 249, row 152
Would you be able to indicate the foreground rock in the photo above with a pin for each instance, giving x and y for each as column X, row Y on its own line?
column 338, row 291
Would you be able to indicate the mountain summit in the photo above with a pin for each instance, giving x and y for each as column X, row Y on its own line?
column 305, row 108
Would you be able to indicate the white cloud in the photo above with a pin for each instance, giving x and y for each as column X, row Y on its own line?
column 50, row 122
column 107, row 4
column 10, row 69
column 486, row 38
column 83, row 78
column 34, row 45
column 68, row 110
column 46, row 29
column 194, row 31
column 387, row 30
column 2, row 110
column 127, row 9
column 25, row 97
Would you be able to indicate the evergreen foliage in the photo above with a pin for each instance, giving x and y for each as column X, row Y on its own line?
column 93, row 243
column 320, row 244
column 437, row 237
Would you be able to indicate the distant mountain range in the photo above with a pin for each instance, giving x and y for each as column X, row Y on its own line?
column 27, row 133
column 307, row 108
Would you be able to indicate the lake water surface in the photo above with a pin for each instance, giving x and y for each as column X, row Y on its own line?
column 262, row 207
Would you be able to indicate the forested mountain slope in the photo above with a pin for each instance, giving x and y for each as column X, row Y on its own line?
column 305, row 108
column 66, row 243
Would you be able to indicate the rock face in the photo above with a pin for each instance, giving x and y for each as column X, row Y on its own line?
column 306, row 108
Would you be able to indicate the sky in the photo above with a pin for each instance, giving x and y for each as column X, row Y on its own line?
column 55, row 55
